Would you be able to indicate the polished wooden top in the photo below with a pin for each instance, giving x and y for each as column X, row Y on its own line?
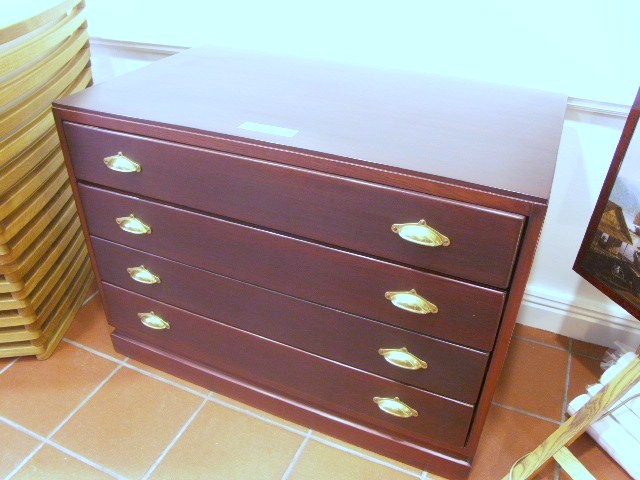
column 474, row 132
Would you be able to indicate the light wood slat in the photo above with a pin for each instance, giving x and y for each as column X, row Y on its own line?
column 572, row 465
column 13, row 224
column 18, row 334
column 40, row 247
column 60, row 293
column 577, row 424
column 20, row 349
column 43, row 96
column 72, row 255
column 32, row 49
column 7, row 302
column 28, row 25
column 13, row 318
column 60, row 290
column 55, row 336
column 61, row 204
column 7, row 286
column 80, row 82
column 75, row 283
column 22, row 138
column 29, row 160
column 21, row 192
column 30, row 78
column 47, row 262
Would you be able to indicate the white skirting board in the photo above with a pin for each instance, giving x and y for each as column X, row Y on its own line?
column 619, row 433
column 577, row 322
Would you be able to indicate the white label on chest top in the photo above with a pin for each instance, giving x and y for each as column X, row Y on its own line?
column 263, row 128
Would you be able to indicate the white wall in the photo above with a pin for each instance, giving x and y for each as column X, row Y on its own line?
column 585, row 48
column 571, row 47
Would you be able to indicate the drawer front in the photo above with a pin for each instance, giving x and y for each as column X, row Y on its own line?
column 310, row 378
column 467, row 314
column 451, row 370
column 334, row 210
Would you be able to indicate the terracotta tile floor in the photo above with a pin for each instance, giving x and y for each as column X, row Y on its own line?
column 88, row 412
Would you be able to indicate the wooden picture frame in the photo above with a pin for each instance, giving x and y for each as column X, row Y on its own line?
column 609, row 257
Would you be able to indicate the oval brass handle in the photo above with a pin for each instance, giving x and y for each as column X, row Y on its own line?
column 120, row 163
column 395, row 407
column 152, row 320
column 420, row 233
column 142, row 275
column 133, row 225
column 401, row 357
column 412, row 302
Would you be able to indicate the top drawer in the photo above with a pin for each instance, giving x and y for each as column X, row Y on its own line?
column 348, row 213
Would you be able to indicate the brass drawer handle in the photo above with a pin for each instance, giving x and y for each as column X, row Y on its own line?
column 412, row 302
column 133, row 225
column 420, row 233
column 120, row 163
column 401, row 357
column 142, row 275
column 152, row 320
column 395, row 407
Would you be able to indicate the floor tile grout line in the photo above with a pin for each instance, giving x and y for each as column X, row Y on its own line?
column 46, row 441
column 175, row 440
column 84, row 402
column 567, row 382
column 92, row 350
column 86, row 460
column 584, row 355
column 538, row 342
column 213, row 399
column 524, row 412
column 296, row 456
column 22, row 429
column 24, row 461
column 166, row 380
column 363, row 455
column 6, row 367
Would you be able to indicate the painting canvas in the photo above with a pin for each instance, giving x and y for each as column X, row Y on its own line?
column 609, row 257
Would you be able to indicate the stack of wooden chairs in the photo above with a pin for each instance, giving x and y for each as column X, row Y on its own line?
column 45, row 273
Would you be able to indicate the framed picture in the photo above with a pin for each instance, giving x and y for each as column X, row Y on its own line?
column 609, row 257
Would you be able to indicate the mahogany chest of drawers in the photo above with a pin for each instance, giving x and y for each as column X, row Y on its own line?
column 343, row 246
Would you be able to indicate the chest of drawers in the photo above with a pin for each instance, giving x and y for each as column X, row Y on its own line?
column 341, row 246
